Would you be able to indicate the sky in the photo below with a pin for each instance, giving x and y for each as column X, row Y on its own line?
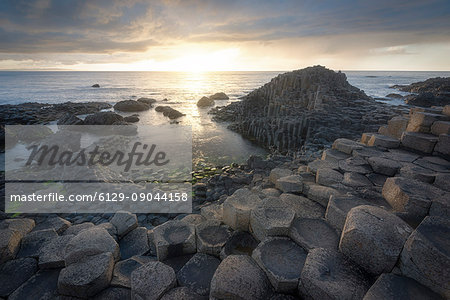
column 224, row 35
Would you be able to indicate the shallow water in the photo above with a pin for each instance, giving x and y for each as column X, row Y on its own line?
column 213, row 143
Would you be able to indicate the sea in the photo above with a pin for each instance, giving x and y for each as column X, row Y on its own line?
column 212, row 142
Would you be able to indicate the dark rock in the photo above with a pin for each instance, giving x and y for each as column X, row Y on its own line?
column 131, row 119
column 33, row 241
column 14, row 273
column 152, row 281
column 69, row 119
column 205, row 101
column 219, row 96
column 114, row 293
column 394, row 96
column 240, row 243
column 51, row 255
column 131, row 106
column 43, row 285
column 103, row 118
column 313, row 233
column 96, row 85
column 123, row 269
column 148, row 101
column 124, row 222
column 211, row 237
column 169, row 112
column 182, row 293
column 134, row 243
column 198, row 272
column 174, row 238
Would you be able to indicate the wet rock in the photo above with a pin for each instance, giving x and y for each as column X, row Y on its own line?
column 313, row 233
column 327, row 274
column 134, row 243
column 198, row 272
column 123, row 269
column 51, row 255
column 182, row 293
column 86, row 277
column 11, row 233
column 75, row 229
column 211, row 237
column 426, row 252
column 96, row 85
column 354, row 179
column 237, row 208
column 131, row 106
column 124, row 222
column 91, row 241
column 169, row 112
column 152, row 281
column 384, row 166
column 290, row 184
column 373, row 238
column 239, row 277
column 15, row 272
column 103, row 118
column 205, row 102
column 303, row 207
column 419, row 141
column 282, row 260
column 113, row 293
column 410, row 197
column 219, row 96
column 174, row 238
column 240, row 243
column 396, row 287
column 69, row 119
column 271, row 221
column 328, row 177
column 148, row 101
column 33, row 241
column 278, row 173
column 43, row 285
column 131, row 119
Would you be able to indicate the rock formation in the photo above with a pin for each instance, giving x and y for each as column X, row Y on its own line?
column 433, row 91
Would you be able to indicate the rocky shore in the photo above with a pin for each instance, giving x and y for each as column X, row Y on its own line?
column 305, row 110
column 431, row 92
column 368, row 219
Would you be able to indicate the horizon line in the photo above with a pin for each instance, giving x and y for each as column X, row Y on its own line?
column 209, row 71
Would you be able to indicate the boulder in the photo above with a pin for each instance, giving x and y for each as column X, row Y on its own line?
column 219, row 96
column 373, row 238
column 57, row 223
column 313, row 233
column 42, row 285
column 182, row 293
column 134, row 243
column 384, row 166
column 397, row 287
column 278, row 173
column 338, row 207
column 124, row 222
column 290, row 184
column 174, row 238
column 123, row 269
column 33, row 241
column 379, row 140
column 169, row 112
column 15, row 272
column 268, row 221
column 426, row 253
column 239, row 277
column 75, row 229
column 346, row 145
column 419, row 141
column 131, row 119
column 103, row 118
column 69, row 119
column 86, row 277
column 328, row 274
column 205, row 102
column 354, row 179
column 240, row 243
column 237, row 208
column 303, row 207
column 51, row 255
column 152, row 281
column 11, row 233
column 411, row 198
column 211, row 237
column 91, row 241
column 198, row 272
column 148, row 101
column 282, row 260
column 328, row 177
column 131, row 106
column 96, row 85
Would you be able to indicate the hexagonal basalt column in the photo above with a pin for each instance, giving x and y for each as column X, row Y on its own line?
column 282, row 260
column 271, row 221
column 174, row 238
column 237, row 208
column 211, row 237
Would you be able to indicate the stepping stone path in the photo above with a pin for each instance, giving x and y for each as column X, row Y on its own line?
column 282, row 260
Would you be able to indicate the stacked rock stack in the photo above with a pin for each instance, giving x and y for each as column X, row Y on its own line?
column 309, row 107
column 369, row 220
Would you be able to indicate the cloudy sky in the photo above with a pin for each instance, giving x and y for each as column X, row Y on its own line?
column 195, row 35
